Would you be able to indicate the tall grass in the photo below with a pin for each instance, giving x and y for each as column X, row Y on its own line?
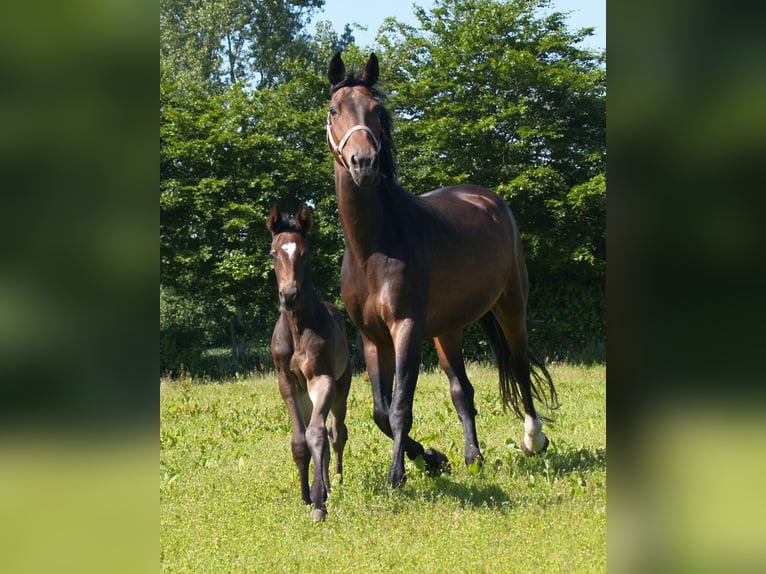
column 230, row 500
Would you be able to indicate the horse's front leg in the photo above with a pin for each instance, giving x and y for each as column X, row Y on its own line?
column 321, row 390
column 381, row 365
column 407, row 342
column 300, row 451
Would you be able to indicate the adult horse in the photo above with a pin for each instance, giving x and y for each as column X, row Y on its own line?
column 426, row 266
column 310, row 353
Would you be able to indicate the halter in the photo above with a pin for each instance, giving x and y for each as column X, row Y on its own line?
column 339, row 147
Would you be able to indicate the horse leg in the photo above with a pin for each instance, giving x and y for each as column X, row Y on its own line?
column 449, row 349
column 338, row 430
column 381, row 361
column 511, row 314
column 321, row 392
column 407, row 342
column 299, row 448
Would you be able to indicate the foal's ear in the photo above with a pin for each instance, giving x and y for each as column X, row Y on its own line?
column 371, row 70
column 337, row 70
column 274, row 220
column 303, row 219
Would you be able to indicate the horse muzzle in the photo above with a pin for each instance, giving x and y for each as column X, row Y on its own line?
column 288, row 298
column 364, row 169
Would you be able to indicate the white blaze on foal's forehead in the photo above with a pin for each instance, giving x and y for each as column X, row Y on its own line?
column 289, row 248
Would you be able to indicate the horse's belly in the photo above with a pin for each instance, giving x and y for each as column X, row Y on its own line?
column 456, row 313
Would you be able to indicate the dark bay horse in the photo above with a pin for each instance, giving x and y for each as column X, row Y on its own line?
column 426, row 266
column 310, row 353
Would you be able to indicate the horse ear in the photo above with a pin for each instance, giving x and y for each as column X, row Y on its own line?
column 337, row 70
column 274, row 220
column 304, row 218
column 371, row 70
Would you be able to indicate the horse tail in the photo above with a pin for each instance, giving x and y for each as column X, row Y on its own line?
column 541, row 383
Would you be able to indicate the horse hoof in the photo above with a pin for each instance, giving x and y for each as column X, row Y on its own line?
column 528, row 452
column 436, row 462
column 395, row 480
column 319, row 514
column 474, row 459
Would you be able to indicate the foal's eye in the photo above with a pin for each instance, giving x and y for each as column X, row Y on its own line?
column 333, row 111
column 273, row 254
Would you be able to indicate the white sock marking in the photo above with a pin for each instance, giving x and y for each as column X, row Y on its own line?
column 534, row 439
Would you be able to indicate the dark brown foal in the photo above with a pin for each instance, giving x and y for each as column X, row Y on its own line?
column 310, row 352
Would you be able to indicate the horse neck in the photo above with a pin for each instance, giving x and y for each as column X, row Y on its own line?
column 362, row 213
column 305, row 317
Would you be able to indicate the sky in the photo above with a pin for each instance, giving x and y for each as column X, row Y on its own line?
column 584, row 13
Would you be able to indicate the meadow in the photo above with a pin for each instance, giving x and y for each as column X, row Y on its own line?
column 230, row 500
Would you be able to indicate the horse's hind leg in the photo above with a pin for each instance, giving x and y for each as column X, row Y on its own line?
column 511, row 314
column 337, row 429
column 449, row 348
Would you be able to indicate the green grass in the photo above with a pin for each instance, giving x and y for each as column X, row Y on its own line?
column 230, row 500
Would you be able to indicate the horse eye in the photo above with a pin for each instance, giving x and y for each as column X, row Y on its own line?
column 273, row 254
column 333, row 111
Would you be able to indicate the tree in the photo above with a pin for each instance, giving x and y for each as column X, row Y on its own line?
column 225, row 159
column 495, row 93
column 213, row 43
column 483, row 91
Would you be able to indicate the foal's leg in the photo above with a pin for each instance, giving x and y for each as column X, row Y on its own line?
column 321, row 392
column 337, row 429
column 449, row 348
column 300, row 451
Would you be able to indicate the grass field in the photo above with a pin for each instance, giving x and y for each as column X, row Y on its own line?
column 230, row 500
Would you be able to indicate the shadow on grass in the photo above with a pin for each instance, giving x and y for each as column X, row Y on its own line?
column 562, row 461
column 475, row 493
column 489, row 488
column 482, row 490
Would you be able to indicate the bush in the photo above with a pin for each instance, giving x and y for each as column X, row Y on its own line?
column 186, row 328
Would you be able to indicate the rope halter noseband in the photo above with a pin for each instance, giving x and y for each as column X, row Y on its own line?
column 339, row 147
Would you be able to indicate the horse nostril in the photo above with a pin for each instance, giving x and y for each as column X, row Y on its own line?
column 289, row 297
column 353, row 160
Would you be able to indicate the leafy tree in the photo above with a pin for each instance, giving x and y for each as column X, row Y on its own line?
column 497, row 94
column 212, row 43
column 224, row 160
column 483, row 91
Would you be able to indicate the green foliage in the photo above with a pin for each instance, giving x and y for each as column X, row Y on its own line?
column 491, row 93
column 222, row 42
column 483, row 91
column 230, row 501
column 185, row 330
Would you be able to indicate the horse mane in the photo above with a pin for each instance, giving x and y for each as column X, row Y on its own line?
column 387, row 154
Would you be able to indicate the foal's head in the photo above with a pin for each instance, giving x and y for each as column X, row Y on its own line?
column 358, row 126
column 289, row 250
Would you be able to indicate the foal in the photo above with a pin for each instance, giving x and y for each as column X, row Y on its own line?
column 310, row 353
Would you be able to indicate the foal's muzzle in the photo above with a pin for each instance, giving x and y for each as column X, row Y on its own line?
column 288, row 298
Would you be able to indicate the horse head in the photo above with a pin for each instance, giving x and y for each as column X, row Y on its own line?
column 354, row 131
column 289, row 251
